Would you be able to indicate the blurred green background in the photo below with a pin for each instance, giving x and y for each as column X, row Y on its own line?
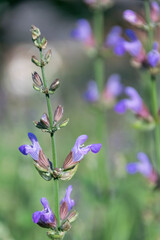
column 133, row 212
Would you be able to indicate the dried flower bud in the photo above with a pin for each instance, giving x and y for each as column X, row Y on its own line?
column 45, row 120
column 36, row 61
column 35, row 32
column 58, row 114
column 72, row 216
column 43, row 43
column 37, row 79
column 66, row 226
column 48, row 56
column 63, row 210
column 54, row 85
column 64, row 123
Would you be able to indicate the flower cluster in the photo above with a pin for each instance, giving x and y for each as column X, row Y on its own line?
column 47, row 219
column 132, row 45
column 57, row 223
column 44, row 166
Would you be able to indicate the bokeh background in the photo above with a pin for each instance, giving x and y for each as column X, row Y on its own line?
column 133, row 213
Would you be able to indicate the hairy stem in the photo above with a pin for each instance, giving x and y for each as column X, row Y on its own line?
column 50, row 115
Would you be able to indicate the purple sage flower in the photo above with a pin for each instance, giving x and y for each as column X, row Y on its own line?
column 133, row 18
column 154, row 56
column 155, row 11
column 115, row 41
column 134, row 103
column 113, row 87
column 79, row 150
column 83, row 32
column 45, row 218
column 67, row 199
column 143, row 166
column 92, row 94
column 134, row 46
column 32, row 150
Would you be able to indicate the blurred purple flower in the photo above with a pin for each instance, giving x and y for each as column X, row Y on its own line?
column 45, row 218
column 154, row 56
column 134, row 103
column 83, row 32
column 79, row 150
column 155, row 11
column 33, row 149
column 115, row 41
column 67, row 198
column 133, row 18
column 134, row 46
column 113, row 87
column 143, row 166
column 92, row 94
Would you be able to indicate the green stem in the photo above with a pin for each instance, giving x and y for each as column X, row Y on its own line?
column 153, row 89
column 156, row 118
column 99, row 75
column 50, row 115
column 150, row 30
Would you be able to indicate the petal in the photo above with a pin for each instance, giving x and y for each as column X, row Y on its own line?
column 144, row 166
column 36, row 216
column 153, row 58
column 120, row 107
column 44, row 202
column 135, row 102
column 83, row 30
column 95, row 148
column 131, row 168
column 113, row 36
column 22, row 149
column 92, row 93
column 67, row 198
column 113, row 86
column 80, row 140
column 32, row 137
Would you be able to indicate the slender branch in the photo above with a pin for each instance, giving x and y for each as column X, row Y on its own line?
column 56, row 183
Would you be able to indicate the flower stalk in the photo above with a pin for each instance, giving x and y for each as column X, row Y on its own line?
column 153, row 89
column 50, row 114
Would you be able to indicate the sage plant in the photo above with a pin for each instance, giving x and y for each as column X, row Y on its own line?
column 145, row 57
column 58, row 222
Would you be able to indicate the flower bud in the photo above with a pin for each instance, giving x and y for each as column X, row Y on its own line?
column 55, row 235
column 72, row 216
column 36, row 61
column 43, row 43
column 48, row 56
column 133, row 18
column 66, row 226
column 63, row 210
column 54, row 86
column 64, row 123
column 58, row 114
column 35, row 32
column 69, row 173
column 45, row 120
column 37, row 80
